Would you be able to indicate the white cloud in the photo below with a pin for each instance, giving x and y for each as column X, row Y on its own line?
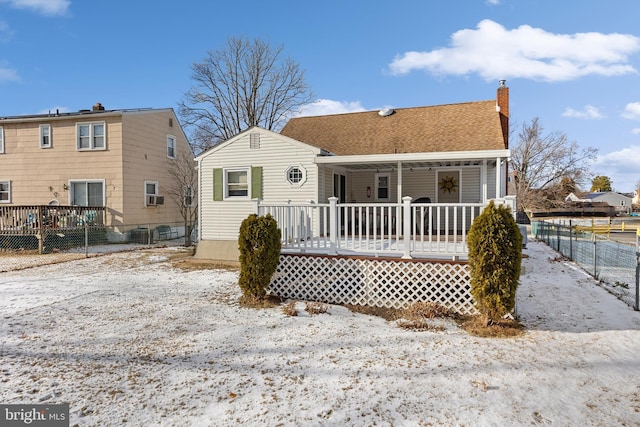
column 589, row 112
column 6, row 33
column 632, row 111
column 635, row 131
column 621, row 166
column 46, row 7
column 493, row 2
column 494, row 53
column 324, row 107
column 57, row 108
column 8, row 74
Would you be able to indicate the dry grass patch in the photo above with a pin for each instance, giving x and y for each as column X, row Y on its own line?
column 290, row 309
column 249, row 301
column 505, row 328
column 386, row 313
column 419, row 316
column 186, row 262
column 314, row 307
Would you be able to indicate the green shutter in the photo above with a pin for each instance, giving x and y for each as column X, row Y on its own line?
column 218, row 189
column 256, row 182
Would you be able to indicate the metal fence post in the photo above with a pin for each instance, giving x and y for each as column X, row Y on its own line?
column 595, row 271
column 637, row 306
column 86, row 240
column 570, row 240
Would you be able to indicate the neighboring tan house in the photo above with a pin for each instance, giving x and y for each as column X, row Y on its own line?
column 344, row 175
column 116, row 159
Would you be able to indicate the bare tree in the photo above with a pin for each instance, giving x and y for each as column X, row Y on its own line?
column 183, row 190
column 248, row 83
column 542, row 161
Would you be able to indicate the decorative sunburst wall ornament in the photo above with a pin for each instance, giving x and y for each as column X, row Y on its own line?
column 448, row 184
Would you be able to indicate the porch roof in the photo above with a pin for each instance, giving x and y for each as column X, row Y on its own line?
column 415, row 160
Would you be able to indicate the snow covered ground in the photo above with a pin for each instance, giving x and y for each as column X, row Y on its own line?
column 127, row 339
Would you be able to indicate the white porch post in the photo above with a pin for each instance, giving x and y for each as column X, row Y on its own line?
column 498, row 177
column 256, row 206
column 399, row 197
column 406, row 221
column 333, row 225
column 484, row 179
column 399, row 188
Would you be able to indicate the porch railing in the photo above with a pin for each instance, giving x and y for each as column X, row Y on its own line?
column 392, row 229
column 36, row 218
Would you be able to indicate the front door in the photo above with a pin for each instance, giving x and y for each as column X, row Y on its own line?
column 448, row 192
column 340, row 187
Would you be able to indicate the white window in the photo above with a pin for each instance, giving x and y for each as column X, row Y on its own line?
column 5, row 191
column 87, row 193
column 296, row 175
column 45, row 136
column 236, row 183
column 150, row 192
column 1, row 140
column 171, row 146
column 383, row 181
column 91, row 136
column 188, row 197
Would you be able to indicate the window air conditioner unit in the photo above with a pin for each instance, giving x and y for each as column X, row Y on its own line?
column 155, row 200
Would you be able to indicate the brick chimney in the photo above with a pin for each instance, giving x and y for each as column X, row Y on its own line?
column 502, row 104
column 98, row 107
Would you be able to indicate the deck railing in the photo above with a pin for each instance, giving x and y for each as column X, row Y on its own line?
column 392, row 229
column 37, row 218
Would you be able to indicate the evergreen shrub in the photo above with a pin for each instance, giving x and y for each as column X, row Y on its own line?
column 495, row 256
column 259, row 245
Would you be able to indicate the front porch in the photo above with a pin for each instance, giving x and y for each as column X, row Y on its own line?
column 397, row 230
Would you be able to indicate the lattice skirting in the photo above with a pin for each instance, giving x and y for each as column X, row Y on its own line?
column 376, row 282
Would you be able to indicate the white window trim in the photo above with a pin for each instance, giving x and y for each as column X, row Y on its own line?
column 1, row 140
column 146, row 195
column 302, row 180
column 225, row 174
column 172, row 139
column 91, row 136
column 42, row 128
column 378, row 175
column 102, row 181
column 9, row 191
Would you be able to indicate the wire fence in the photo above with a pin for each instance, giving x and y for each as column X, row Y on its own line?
column 615, row 263
column 24, row 248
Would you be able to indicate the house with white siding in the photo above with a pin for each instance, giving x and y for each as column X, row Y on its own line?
column 403, row 182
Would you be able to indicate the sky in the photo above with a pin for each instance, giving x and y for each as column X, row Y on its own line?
column 575, row 65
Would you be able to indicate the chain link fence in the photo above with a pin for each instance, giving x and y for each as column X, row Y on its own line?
column 24, row 248
column 615, row 263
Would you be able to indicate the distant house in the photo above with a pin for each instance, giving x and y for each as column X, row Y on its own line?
column 117, row 160
column 453, row 157
column 622, row 203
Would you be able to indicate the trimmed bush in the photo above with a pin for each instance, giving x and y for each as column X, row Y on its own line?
column 259, row 245
column 495, row 256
